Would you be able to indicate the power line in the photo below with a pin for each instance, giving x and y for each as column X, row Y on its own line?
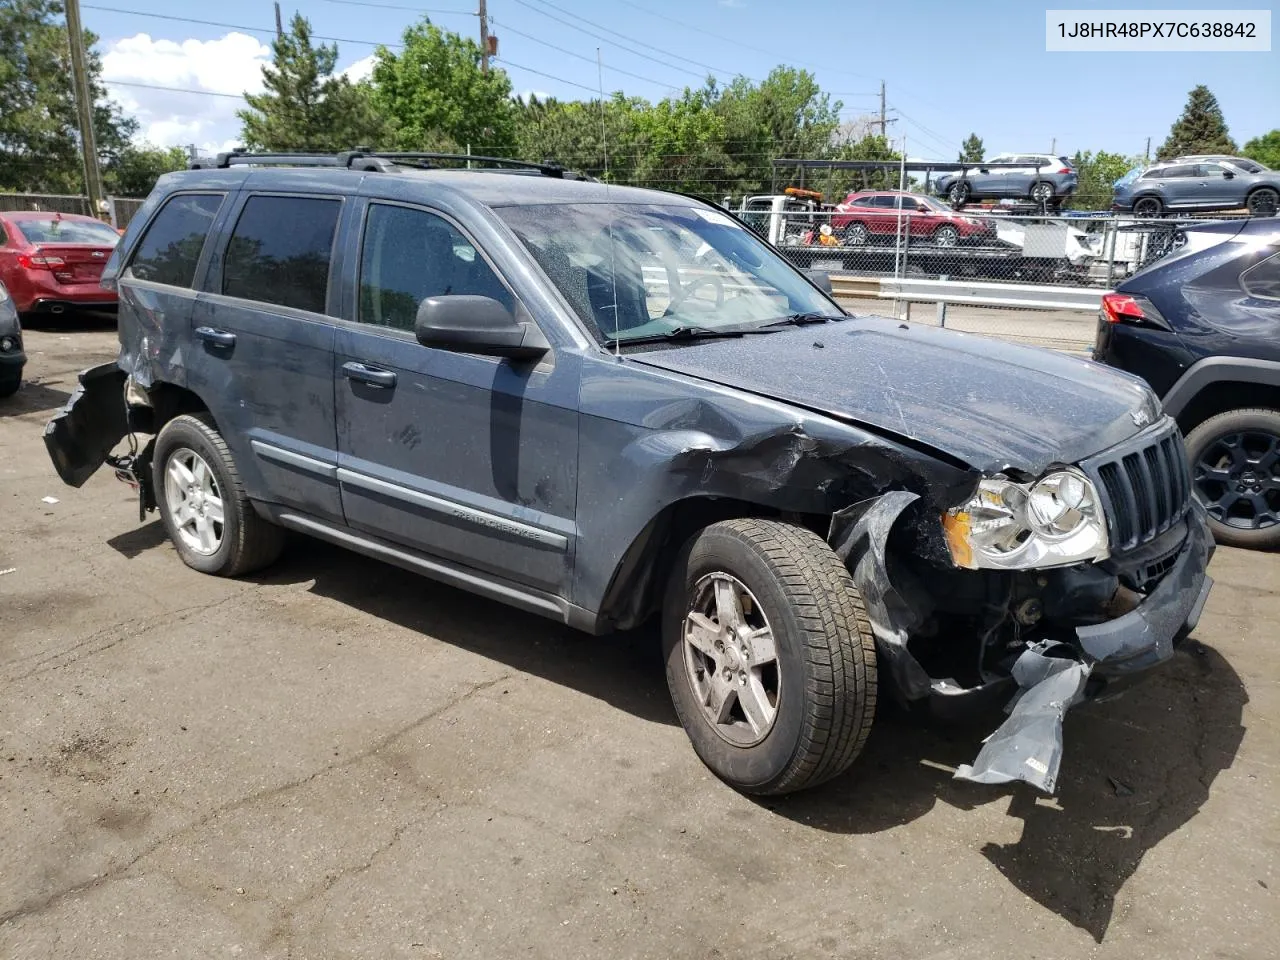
column 394, row 6
column 578, row 56
column 549, row 76
column 614, row 43
column 156, row 86
column 232, row 26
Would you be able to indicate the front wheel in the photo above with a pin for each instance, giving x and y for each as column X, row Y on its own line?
column 855, row 235
column 1263, row 202
column 770, row 657
column 946, row 236
column 1235, row 465
column 203, row 504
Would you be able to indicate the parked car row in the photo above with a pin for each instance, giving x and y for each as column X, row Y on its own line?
column 1199, row 184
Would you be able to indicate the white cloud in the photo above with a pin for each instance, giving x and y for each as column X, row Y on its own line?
column 525, row 95
column 362, row 69
column 231, row 64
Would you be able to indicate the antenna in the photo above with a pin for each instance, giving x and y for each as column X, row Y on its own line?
column 613, row 263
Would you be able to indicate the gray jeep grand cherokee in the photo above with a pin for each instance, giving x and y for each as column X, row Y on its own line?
column 602, row 404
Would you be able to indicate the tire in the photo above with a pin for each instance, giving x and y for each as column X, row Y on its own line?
column 855, row 235
column 1239, row 448
column 1043, row 192
column 946, row 236
column 1263, row 202
column 822, row 683
column 9, row 385
column 1148, row 208
column 958, row 194
column 243, row 541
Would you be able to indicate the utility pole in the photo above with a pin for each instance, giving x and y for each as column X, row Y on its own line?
column 883, row 129
column 279, row 24
column 1146, row 154
column 484, row 37
column 1053, row 146
column 84, row 108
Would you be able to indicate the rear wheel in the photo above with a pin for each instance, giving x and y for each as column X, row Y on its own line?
column 1263, row 202
column 1043, row 193
column 1235, row 464
column 1148, row 208
column 203, row 504
column 958, row 194
column 770, row 658
column 855, row 235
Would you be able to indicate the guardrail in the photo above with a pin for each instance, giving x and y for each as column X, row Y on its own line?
column 1026, row 296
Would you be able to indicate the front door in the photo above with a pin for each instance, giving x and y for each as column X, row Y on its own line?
column 469, row 458
column 262, row 355
column 1219, row 190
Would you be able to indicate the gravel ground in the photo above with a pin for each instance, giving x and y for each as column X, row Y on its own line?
column 339, row 759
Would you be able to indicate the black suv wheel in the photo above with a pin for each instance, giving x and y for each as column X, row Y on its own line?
column 1235, row 463
column 770, row 657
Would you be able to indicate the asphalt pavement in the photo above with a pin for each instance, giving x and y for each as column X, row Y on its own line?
column 338, row 759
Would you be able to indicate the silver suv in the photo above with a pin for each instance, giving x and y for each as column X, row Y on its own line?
column 1202, row 185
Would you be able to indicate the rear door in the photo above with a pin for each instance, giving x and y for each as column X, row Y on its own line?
column 262, row 350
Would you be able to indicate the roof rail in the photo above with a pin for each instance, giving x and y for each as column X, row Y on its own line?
column 362, row 158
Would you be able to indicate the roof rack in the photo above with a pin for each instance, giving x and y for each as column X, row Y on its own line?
column 362, row 158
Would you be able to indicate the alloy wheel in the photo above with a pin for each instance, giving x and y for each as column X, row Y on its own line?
column 1236, row 480
column 194, row 501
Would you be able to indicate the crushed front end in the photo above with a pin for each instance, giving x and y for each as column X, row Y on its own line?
column 1036, row 593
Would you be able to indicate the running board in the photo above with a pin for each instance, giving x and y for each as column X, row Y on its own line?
column 546, row 605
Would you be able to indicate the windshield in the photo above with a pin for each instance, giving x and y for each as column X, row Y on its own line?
column 633, row 270
column 932, row 203
column 55, row 230
column 1129, row 177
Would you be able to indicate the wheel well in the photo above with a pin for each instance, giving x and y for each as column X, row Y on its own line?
column 167, row 402
column 1223, row 396
column 635, row 592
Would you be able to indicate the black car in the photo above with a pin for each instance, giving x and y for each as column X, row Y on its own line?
column 1202, row 327
column 604, row 404
column 12, row 359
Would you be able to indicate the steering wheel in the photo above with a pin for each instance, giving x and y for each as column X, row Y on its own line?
column 692, row 285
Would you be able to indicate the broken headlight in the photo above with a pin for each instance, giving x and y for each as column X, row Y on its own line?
column 1055, row 521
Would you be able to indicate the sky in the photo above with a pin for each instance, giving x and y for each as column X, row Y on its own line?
column 950, row 69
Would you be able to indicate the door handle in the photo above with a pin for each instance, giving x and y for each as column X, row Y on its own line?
column 370, row 375
column 218, row 338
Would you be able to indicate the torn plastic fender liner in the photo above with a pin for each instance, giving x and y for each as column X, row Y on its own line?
column 858, row 535
column 95, row 419
column 1028, row 745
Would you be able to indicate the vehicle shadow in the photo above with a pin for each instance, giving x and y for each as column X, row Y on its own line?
column 72, row 321
column 1136, row 768
column 624, row 669
column 33, row 397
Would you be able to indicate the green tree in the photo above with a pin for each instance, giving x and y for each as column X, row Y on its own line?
column 135, row 171
column 304, row 106
column 570, row 132
column 1097, row 173
column 873, row 146
column 785, row 115
column 434, row 90
column 1265, row 149
column 39, row 133
column 683, row 140
column 1200, row 129
column 972, row 150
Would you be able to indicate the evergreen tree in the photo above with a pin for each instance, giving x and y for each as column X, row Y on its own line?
column 305, row 107
column 972, row 150
column 1200, row 129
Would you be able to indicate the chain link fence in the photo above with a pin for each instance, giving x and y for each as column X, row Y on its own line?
column 120, row 210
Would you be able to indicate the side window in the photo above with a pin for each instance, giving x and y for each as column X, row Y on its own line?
column 1155, row 174
column 1181, row 172
column 408, row 255
column 1263, row 279
column 170, row 248
column 884, row 202
column 280, row 251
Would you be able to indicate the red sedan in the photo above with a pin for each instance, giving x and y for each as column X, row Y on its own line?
column 875, row 213
column 52, row 262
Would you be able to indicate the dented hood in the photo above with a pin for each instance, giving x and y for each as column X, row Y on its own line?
column 992, row 404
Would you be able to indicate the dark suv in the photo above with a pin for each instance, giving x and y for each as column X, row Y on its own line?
column 1202, row 326
column 602, row 404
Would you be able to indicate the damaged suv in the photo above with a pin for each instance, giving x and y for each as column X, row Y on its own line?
column 602, row 404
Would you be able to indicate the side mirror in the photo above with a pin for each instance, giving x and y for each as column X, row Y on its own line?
column 1228, row 175
column 984, row 170
column 469, row 324
column 822, row 280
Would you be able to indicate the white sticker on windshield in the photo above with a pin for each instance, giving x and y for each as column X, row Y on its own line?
column 715, row 216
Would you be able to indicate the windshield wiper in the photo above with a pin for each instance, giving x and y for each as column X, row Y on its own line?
column 803, row 319
column 686, row 333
